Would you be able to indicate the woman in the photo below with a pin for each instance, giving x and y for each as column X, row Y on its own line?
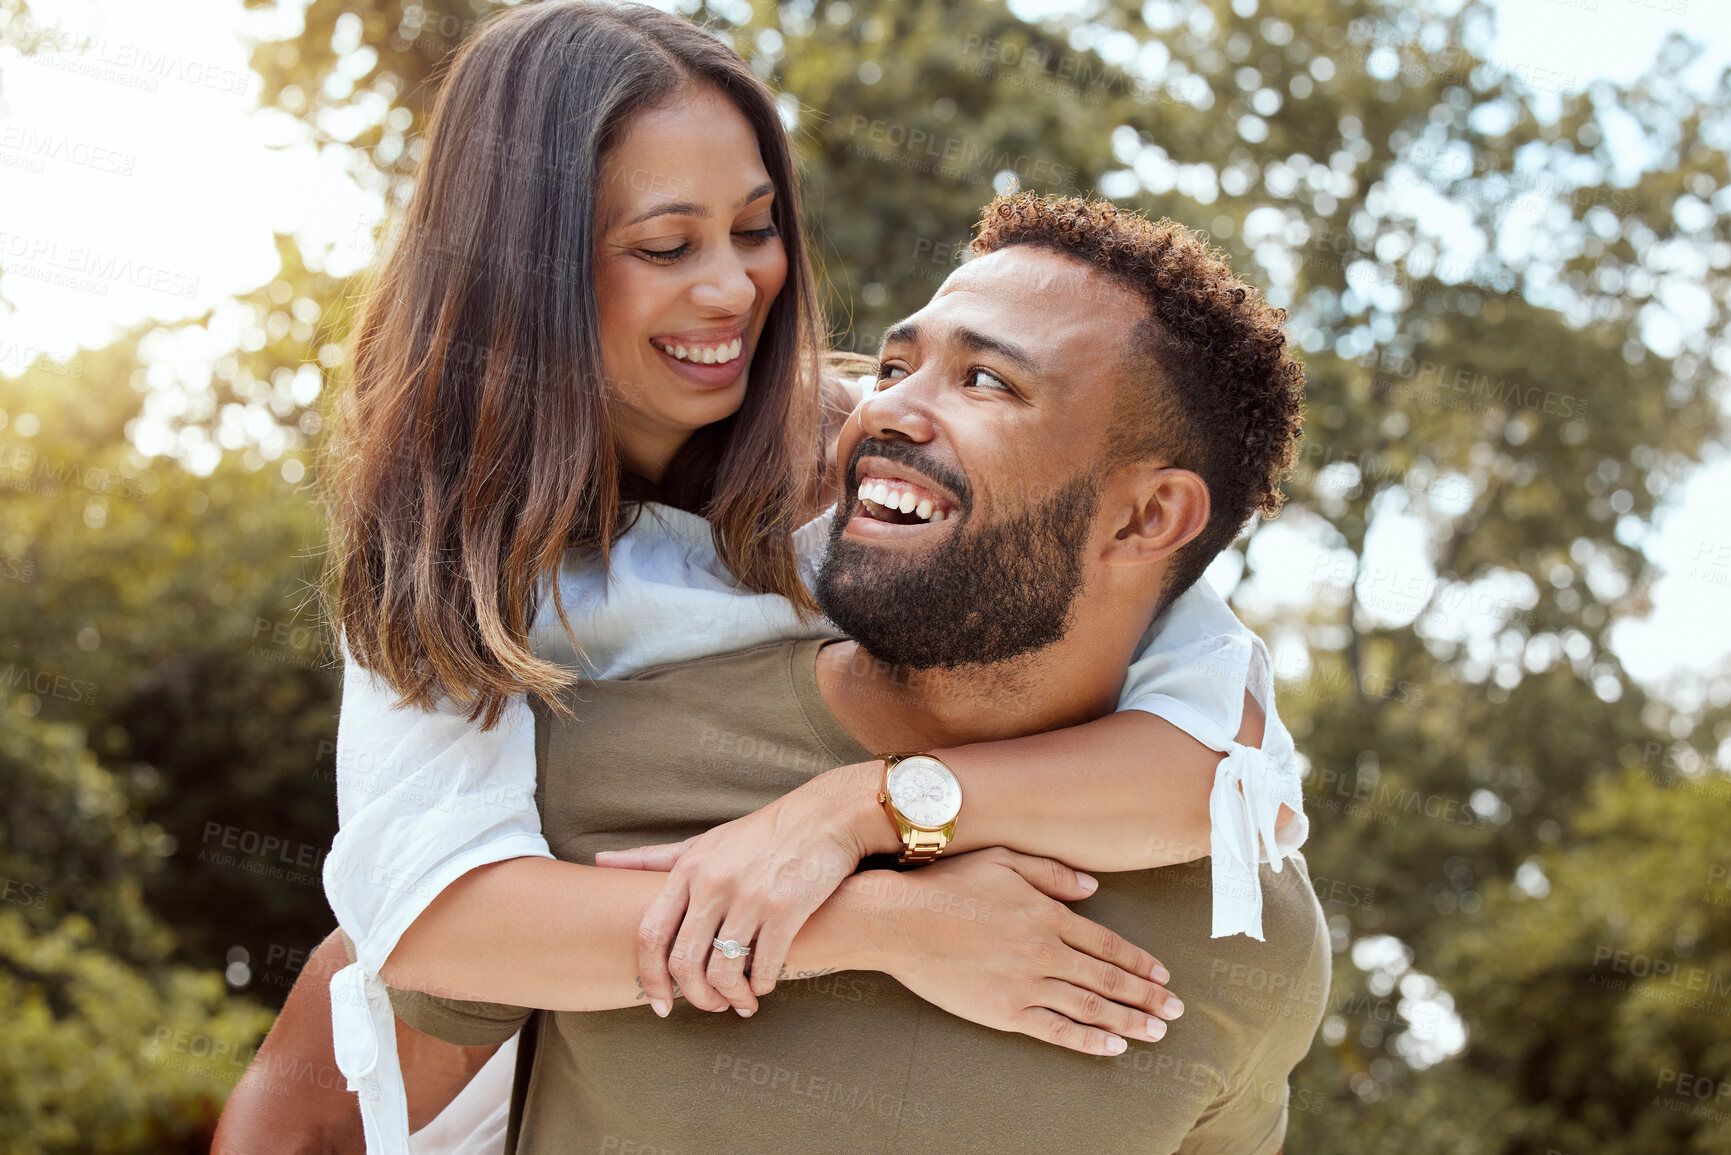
column 586, row 432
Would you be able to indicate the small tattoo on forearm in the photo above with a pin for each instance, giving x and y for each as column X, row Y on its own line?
column 785, row 974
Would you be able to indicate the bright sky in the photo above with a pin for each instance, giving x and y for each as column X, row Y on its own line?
column 139, row 181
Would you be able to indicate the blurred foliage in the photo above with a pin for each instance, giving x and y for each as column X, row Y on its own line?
column 1508, row 833
column 109, row 1046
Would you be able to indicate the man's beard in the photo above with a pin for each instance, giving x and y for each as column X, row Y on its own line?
column 995, row 591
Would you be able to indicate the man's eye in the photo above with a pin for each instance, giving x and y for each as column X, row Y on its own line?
column 884, row 375
column 987, row 379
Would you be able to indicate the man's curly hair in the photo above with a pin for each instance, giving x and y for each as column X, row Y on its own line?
column 1212, row 386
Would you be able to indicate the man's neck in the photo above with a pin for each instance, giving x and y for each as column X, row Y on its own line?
column 894, row 708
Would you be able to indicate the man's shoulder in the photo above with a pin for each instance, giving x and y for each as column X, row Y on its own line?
column 1291, row 911
column 769, row 656
column 1282, row 981
column 760, row 669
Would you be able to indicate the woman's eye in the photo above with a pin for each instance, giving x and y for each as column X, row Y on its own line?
column 987, row 379
column 665, row 255
column 758, row 236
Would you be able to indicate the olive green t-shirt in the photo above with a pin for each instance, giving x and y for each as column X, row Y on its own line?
column 853, row 1062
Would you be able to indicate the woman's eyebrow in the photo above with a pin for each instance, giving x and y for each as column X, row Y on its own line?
column 693, row 209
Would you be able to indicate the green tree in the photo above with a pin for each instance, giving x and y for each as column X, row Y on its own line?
column 109, row 1046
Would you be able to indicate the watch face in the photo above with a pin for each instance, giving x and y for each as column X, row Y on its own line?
column 925, row 791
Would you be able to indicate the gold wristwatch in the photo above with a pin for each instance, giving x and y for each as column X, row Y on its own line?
column 923, row 799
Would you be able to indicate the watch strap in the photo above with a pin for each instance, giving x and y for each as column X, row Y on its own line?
column 922, row 846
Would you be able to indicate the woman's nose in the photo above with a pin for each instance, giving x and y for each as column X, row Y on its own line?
column 726, row 285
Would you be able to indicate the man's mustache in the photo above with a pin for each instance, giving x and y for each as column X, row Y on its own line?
column 911, row 455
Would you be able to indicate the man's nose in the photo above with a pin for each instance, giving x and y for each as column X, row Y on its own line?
column 900, row 412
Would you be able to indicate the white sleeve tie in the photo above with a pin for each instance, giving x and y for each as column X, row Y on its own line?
column 364, row 1034
column 1250, row 786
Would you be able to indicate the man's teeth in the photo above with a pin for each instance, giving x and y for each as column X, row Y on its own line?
column 705, row 355
column 887, row 497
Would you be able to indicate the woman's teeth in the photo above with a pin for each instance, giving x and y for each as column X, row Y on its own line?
column 705, row 354
column 894, row 498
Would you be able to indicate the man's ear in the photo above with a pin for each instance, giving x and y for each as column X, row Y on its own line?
column 1161, row 508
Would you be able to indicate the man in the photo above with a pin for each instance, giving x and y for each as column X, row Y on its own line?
column 1097, row 407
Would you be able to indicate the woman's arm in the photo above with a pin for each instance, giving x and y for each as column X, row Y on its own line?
column 1129, row 791
column 1125, row 792
column 562, row 936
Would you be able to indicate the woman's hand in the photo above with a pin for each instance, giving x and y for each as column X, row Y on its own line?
column 756, row 880
column 985, row 936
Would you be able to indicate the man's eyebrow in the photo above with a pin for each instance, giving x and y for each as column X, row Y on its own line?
column 907, row 332
column 900, row 333
column 1015, row 354
column 691, row 209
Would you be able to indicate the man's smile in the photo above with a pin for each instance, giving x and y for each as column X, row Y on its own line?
column 901, row 502
column 892, row 494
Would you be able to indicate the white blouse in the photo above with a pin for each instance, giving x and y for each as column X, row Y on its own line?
column 425, row 796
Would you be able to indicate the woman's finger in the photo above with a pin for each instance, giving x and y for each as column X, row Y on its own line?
column 1119, row 985
column 1062, row 1031
column 689, row 958
column 655, row 941
column 774, row 939
column 727, row 975
column 1090, row 937
column 661, row 856
column 1046, row 875
column 1091, row 1009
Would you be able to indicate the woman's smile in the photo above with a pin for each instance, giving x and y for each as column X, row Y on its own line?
column 713, row 359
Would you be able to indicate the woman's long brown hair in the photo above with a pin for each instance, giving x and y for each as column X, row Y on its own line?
column 475, row 446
